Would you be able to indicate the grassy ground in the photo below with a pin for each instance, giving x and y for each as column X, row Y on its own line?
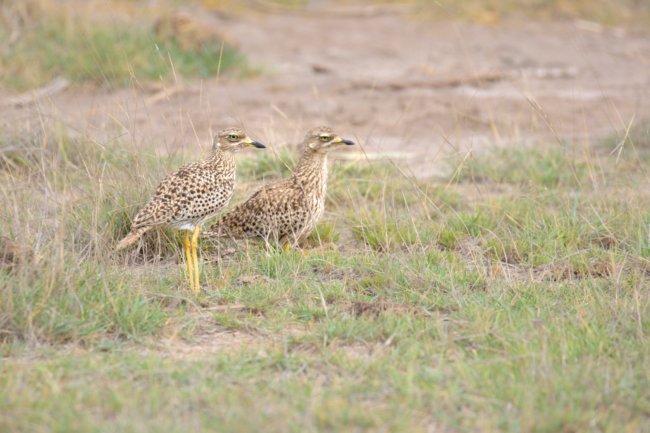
column 510, row 296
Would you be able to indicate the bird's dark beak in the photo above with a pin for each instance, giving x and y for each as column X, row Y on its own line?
column 254, row 143
column 348, row 142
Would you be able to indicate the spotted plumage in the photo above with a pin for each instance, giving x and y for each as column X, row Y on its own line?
column 285, row 211
column 194, row 193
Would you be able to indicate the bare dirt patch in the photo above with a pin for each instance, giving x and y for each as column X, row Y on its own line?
column 212, row 340
column 210, row 343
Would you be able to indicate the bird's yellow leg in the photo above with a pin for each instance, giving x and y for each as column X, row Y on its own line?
column 195, row 243
column 188, row 259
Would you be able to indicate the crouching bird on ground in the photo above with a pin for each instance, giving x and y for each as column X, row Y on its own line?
column 285, row 211
column 193, row 194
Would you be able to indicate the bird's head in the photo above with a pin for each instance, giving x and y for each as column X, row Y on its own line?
column 234, row 139
column 323, row 139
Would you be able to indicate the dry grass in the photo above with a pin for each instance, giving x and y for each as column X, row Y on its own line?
column 512, row 308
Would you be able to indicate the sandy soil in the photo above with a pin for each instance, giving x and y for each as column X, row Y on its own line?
column 403, row 86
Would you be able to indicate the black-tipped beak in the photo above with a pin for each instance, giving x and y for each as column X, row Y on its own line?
column 348, row 142
column 258, row 145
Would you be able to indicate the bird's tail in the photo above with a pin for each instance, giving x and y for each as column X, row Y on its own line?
column 131, row 238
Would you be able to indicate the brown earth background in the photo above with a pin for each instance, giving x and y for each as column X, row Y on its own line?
column 406, row 85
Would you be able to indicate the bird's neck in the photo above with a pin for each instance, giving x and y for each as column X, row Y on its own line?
column 223, row 161
column 311, row 171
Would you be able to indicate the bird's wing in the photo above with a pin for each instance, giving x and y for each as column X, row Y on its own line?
column 270, row 198
column 166, row 199
column 271, row 201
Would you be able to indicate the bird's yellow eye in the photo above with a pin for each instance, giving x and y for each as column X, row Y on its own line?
column 325, row 138
column 233, row 137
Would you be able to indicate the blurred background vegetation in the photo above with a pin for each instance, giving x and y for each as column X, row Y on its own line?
column 112, row 45
column 603, row 11
column 117, row 42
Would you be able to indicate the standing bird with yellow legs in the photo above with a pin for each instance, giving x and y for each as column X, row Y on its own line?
column 285, row 211
column 194, row 193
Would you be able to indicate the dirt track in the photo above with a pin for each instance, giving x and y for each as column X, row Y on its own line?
column 399, row 84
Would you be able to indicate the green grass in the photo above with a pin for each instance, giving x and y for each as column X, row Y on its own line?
column 540, row 166
column 61, row 43
column 439, row 309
